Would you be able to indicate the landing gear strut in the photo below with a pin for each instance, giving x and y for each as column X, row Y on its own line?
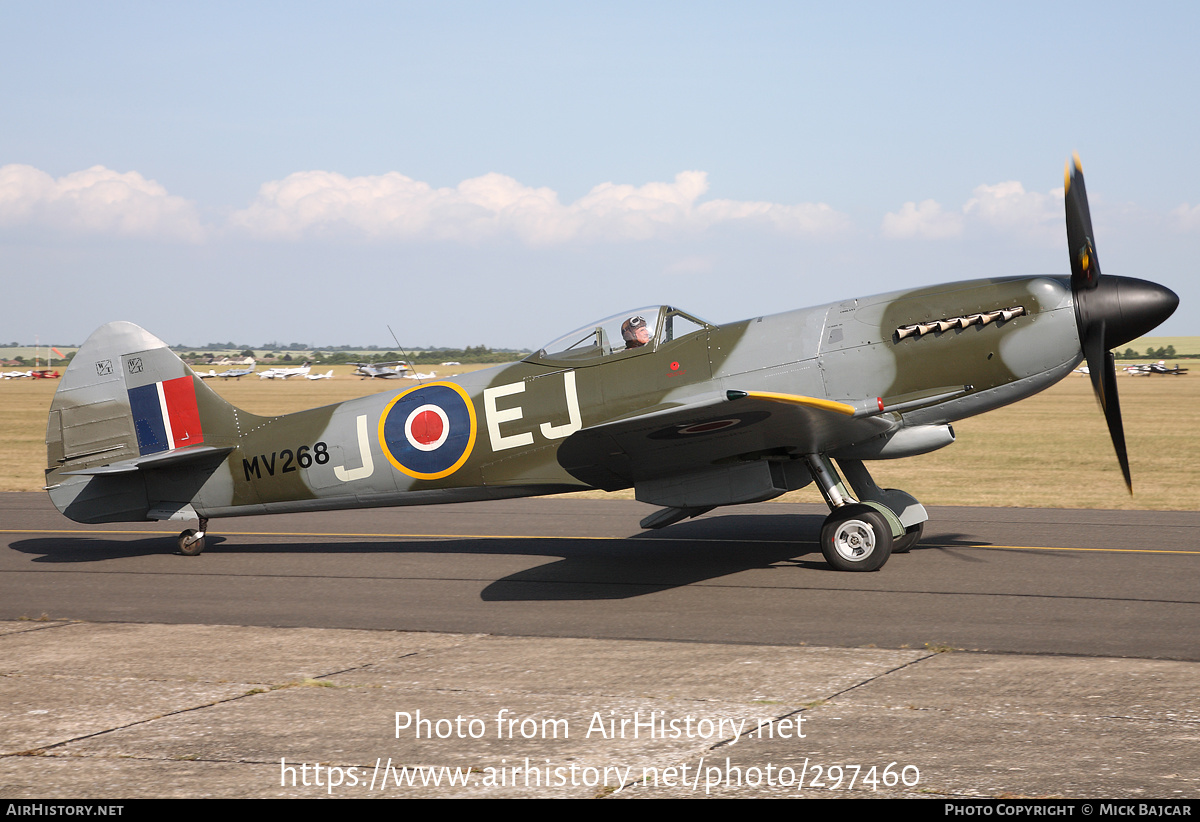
column 191, row 541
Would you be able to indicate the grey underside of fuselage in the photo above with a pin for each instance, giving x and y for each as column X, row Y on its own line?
column 433, row 496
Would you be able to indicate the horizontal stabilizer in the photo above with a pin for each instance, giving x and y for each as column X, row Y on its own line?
column 162, row 459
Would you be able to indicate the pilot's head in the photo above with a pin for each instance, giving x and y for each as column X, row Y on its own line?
column 635, row 332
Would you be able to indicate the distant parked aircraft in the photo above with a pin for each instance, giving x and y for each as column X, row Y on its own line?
column 284, row 373
column 382, row 370
column 237, row 373
column 1159, row 367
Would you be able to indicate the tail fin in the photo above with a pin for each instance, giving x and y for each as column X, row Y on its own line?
column 127, row 413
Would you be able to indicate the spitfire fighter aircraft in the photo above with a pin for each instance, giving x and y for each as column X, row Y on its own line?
column 691, row 415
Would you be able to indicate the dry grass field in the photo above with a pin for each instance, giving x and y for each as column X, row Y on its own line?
column 1049, row 451
column 1053, row 451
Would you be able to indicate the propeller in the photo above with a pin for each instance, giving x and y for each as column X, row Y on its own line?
column 1109, row 311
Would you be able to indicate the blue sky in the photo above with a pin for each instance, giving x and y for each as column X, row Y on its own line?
column 500, row 173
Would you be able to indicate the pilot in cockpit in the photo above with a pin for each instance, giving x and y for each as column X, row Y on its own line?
column 635, row 332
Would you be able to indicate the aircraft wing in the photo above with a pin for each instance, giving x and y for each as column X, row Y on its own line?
column 715, row 430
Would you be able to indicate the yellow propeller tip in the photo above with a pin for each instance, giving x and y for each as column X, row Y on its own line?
column 1078, row 165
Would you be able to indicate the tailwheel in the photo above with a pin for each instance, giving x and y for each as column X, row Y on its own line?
column 856, row 538
column 904, row 544
column 191, row 541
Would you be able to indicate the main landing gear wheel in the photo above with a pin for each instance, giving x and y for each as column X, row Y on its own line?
column 904, row 544
column 856, row 538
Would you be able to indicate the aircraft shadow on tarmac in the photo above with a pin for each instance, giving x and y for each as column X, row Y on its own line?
column 646, row 562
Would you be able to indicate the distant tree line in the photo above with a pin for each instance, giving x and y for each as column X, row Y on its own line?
column 47, row 362
column 1164, row 353
column 342, row 354
column 470, row 354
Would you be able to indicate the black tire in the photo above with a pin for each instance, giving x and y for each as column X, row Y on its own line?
column 912, row 536
column 189, row 545
column 856, row 538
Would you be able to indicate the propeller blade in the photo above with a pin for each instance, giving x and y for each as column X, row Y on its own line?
column 1112, row 414
column 1093, row 355
column 1102, row 368
column 1108, row 312
column 1085, row 267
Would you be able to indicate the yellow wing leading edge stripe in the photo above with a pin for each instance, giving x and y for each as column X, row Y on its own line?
column 810, row 402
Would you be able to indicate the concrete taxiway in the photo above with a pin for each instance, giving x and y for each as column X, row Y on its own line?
column 552, row 637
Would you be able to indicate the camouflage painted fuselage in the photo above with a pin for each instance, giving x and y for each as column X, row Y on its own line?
column 134, row 435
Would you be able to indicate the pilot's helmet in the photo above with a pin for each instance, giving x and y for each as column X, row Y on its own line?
column 630, row 327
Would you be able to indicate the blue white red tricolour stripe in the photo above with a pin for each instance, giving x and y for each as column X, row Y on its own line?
column 165, row 415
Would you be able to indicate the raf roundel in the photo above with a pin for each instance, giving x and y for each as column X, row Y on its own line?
column 428, row 431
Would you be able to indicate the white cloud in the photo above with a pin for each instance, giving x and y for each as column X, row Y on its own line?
column 1009, row 207
column 1187, row 216
column 95, row 201
column 816, row 219
column 1004, row 207
column 926, row 220
column 393, row 206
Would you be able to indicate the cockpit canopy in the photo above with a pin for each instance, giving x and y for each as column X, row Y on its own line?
column 628, row 333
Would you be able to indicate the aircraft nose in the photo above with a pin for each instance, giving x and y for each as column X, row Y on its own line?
column 1129, row 307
